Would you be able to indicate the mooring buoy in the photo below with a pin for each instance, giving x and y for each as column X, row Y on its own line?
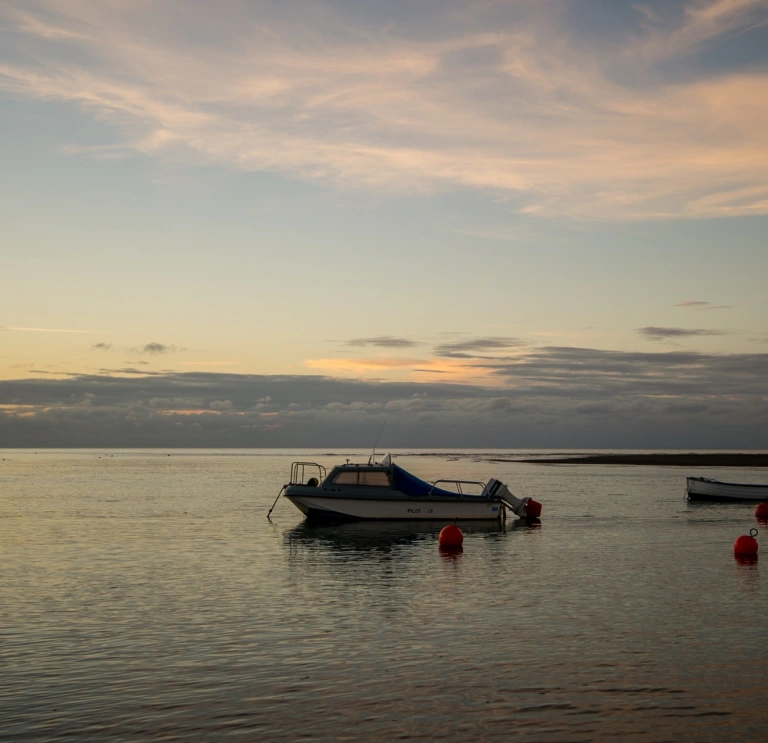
column 746, row 545
column 450, row 536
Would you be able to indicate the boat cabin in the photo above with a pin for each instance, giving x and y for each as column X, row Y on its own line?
column 383, row 474
column 361, row 475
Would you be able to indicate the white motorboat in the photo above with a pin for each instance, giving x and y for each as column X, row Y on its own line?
column 705, row 488
column 382, row 490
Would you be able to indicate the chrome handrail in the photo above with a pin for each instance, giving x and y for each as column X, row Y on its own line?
column 458, row 484
column 298, row 472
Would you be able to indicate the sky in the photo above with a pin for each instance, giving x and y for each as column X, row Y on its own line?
column 492, row 223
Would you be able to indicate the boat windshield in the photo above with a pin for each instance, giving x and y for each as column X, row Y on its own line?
column 377, row 478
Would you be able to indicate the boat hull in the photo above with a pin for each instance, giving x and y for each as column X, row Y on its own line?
column 706, row 489
column 319, row 507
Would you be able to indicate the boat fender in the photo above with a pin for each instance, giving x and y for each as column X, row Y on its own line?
column 761, row 512
column 532, row 509
column 746, row 545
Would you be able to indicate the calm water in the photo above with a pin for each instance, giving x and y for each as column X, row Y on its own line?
column 146, row 597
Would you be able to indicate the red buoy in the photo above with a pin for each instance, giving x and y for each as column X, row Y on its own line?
column 450, row 536
column 762, row 511
column 746, row 545
column 532, row 509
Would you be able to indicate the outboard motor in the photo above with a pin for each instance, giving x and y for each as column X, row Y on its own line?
column 525, row 508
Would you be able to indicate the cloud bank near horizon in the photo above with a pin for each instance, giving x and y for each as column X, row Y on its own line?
column 656, row 333
column 552, row 397
column 653, row 118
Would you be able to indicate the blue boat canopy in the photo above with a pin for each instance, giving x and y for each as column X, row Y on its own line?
column 409, row 484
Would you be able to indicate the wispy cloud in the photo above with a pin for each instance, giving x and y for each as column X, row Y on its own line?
column 155, row 349
column 475, row 347
column 101, row 347
column 699, row 305
column 513, row 103
column 363, row 364
column 392, row 368
column 456, row 358
column 659, row 334
column 383, row 341
column 208, row 363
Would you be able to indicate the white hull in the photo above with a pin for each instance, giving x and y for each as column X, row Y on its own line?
column 353, row 508
column 702, row 488
column 384, row 491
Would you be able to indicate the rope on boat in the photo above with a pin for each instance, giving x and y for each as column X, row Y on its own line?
column 269, row 513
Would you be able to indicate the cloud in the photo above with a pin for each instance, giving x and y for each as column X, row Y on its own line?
column 383, row 341
column 155, row 349
column 365, row 364
column 553, row 396
column 160, row 402
column 592, row 373
column 659, row 334
column 101, row 347
column 510, row 100
column 467, row 349
column 398, row 367
column 208, row 363
column 695, row 304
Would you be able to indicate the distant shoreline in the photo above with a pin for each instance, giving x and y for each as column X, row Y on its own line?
column 671, row 460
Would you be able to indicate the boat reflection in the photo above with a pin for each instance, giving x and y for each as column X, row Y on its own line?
column 383, row 536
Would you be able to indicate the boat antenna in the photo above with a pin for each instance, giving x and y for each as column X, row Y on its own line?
column 372, row 458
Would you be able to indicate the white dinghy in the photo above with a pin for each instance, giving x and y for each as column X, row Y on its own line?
column 705, row 488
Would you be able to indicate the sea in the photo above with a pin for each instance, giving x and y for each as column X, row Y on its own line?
column 145, row 596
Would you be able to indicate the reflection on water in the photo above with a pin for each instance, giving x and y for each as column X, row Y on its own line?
column 146, row 597
column 746, row 559
column 451, row 554
column 748, row 573
column 383, row 535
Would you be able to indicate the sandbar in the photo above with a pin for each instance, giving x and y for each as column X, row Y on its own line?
column 673, row 460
